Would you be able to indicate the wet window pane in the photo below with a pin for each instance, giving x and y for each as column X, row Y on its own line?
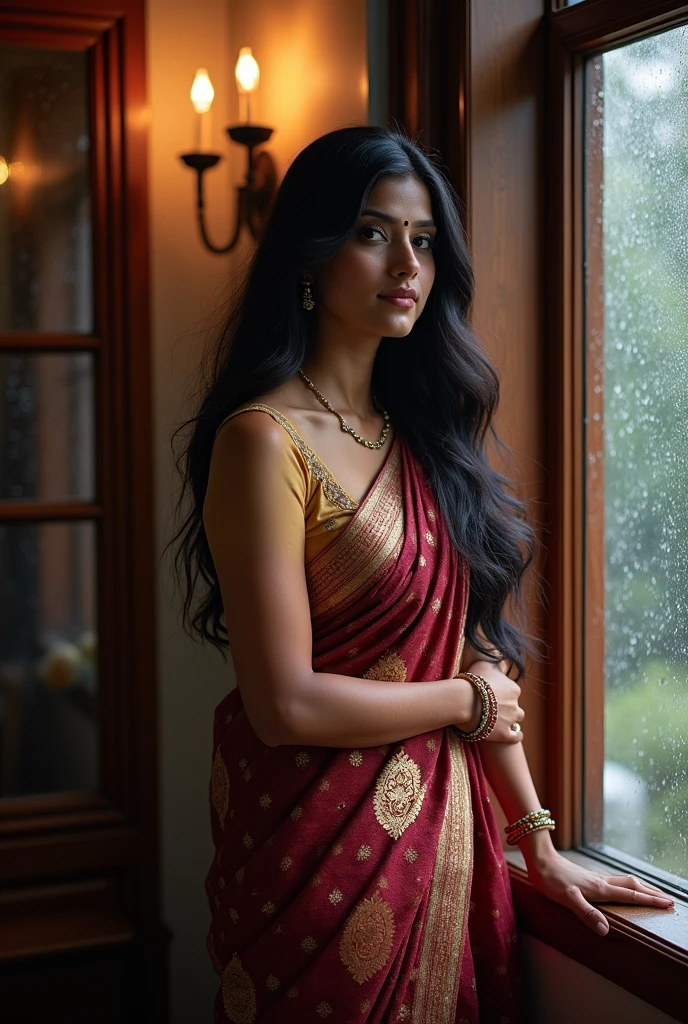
column 48, row 678
column 45, row 200
column 46, row 426
column 637, row 105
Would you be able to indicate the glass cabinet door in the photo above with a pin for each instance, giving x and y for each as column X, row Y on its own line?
column 48, row 567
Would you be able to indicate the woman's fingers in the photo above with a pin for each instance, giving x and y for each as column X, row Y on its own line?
column 629, row 889
column 589, row 915
column 634, row 881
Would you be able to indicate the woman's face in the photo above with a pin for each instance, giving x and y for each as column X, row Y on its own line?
column 380, row 279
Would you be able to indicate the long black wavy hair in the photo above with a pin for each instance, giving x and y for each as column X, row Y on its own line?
column 439, row 387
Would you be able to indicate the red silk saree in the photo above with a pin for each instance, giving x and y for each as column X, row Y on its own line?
column 365, row 885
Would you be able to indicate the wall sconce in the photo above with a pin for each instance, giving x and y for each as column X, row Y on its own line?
column 255, row 195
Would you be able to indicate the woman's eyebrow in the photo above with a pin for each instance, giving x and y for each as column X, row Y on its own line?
column 393, row 220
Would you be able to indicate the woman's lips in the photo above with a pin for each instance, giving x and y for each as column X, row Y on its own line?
column 397, row 300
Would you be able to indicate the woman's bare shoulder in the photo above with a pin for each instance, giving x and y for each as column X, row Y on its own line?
column 290, row 398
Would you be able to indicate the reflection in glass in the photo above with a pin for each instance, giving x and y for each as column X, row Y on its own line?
column 639, row 103
column 48, row 671
column 45, row 201
column 46, row 426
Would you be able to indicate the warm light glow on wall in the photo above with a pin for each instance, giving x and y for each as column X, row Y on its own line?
column 202, row 92
column 246, row 72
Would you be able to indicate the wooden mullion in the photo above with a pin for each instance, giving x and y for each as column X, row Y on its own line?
column 48, row 511
column 576, row 386
column 109, row 551
column 36, row 341
column 140, row 622
column 67, row 853
column 63, row 25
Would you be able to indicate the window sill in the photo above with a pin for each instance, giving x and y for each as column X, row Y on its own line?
column 644, row 952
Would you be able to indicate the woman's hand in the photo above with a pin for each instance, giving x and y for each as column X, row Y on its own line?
column 507, row 693
column 573, row 886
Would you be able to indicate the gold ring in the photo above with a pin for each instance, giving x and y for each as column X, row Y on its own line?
column 515, row 727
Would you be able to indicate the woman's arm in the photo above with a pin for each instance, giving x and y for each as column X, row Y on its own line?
column 506, row 769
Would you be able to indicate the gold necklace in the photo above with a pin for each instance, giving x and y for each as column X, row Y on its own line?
column 344, row 425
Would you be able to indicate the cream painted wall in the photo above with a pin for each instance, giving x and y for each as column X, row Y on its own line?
column 313, row 62
column 187, row 284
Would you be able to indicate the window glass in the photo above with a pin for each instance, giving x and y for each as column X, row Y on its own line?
column 636, row 438
column 46, row 426
column 45, row 195
column 48, row 658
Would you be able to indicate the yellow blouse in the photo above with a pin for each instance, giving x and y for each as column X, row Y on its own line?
column 326, row 506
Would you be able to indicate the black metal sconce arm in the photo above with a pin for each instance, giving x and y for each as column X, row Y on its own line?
column 254, row 197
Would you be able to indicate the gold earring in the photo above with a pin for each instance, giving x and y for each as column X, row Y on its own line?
column 307, row 301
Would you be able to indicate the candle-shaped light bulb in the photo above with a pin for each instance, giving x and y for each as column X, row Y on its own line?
column 202, row 92
column 246, row 72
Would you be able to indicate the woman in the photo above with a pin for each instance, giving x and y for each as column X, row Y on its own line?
column 357, row 552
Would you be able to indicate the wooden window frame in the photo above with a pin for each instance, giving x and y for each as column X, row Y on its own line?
column 656, row 942
column 81, row 870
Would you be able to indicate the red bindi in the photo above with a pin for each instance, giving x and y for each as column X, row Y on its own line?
column 405, row 223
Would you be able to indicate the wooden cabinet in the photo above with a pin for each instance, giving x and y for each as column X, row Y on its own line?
column 80, row 936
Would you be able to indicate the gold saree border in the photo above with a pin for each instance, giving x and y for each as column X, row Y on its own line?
column 465, row 584
column 446, row 922
column 346, row 568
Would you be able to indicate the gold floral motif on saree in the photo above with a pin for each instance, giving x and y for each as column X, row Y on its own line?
column 238, row 993
column 390, row 666
column 366, row 943
column 219, row 787
column 399, row 794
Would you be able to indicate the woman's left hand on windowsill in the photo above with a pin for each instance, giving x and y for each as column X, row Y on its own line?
column 574, row 886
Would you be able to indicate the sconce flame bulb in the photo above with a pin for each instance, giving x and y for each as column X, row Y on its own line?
column 202, row 92
column 4, row 170
column 246, row 72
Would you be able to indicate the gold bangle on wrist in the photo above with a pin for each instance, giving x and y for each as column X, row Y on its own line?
column 530, row 822
column 490, row 708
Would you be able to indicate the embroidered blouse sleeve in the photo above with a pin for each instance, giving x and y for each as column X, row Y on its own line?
column 290, row 482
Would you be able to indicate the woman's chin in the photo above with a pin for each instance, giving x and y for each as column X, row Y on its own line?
column 398, row 324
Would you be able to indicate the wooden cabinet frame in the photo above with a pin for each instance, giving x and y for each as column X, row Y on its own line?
column 110, row 838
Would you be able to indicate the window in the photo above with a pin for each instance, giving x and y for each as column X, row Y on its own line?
column 635, row 451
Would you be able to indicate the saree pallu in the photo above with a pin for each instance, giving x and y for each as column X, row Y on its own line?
column 365, row 885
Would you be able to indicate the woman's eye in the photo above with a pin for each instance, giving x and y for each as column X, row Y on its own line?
column 370, row 230
column 424, row 240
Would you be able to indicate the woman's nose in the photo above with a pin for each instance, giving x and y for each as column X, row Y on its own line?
column 407, row 263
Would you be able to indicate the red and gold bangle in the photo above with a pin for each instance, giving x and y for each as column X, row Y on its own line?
column 490, row 709
column 530, row 822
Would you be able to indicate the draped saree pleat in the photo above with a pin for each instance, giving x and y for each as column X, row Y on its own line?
column 365, row 885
